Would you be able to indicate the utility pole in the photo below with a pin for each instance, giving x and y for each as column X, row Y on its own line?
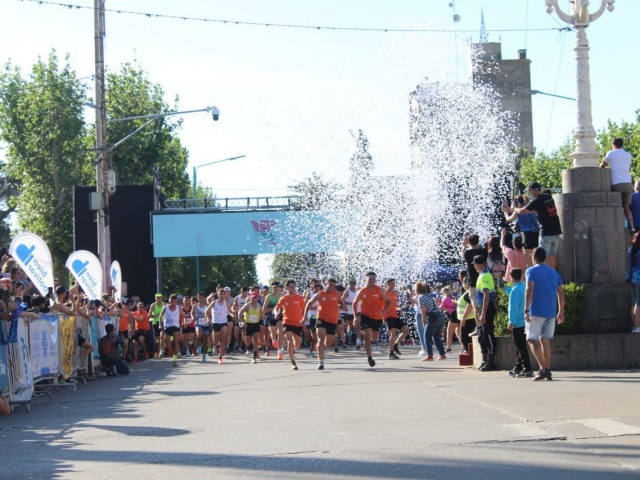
column 102, row 163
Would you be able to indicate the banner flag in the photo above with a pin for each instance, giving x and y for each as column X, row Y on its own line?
column 34, row 257
column 86, row 269
column 116, row 279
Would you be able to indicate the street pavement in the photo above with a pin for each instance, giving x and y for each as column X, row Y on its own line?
column 401, row 419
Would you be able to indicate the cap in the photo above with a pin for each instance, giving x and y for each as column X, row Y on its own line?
column 479, row 260
column 535, row 186
column 158, row 295
column 265, row 287
column 126, row 301
column 18, row 284
column 255, row 295
column 227, row 289
column 180, row 296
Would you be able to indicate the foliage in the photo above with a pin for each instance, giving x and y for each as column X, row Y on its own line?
column 574, row 296
column 232, row 271
column 8, row 190
column 315, row 192
column 131, row 93
column 41, row 123
column 547, row 169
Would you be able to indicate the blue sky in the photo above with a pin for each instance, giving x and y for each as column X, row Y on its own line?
column 289, row 97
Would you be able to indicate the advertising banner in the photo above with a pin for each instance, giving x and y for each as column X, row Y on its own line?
column 116, row 280
column 34, row 257
column 43, row 344
column 86, row 269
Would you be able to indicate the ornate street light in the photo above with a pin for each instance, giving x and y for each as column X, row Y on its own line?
column 585, row 154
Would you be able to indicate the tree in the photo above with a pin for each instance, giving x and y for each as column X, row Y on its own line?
column 547, row 169
column 41, row 123
column 8, row 190
column 630, row 133
column 131, row 93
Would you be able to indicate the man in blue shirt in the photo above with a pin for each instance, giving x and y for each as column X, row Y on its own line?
column 544, row 285
column 516, row 293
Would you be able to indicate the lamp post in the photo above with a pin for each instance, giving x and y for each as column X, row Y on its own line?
column 195, row 185
column 528, row 91
column 585, row 154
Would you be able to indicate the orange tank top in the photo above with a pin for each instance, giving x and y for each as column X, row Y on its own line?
column 391, row 311
column 372, row 302
column 329, row 306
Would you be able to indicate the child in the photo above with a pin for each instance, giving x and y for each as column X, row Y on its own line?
column 516, row 294
column 448, row 305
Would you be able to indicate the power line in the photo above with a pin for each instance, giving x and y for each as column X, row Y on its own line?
column 285, row 25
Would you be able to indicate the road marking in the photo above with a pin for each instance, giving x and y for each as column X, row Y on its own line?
column 610, row 427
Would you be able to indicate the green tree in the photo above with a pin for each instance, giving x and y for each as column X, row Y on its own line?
column 8, row 190
column 547, row 168
column 630, row 133
column 130, row 93
column 41, row 121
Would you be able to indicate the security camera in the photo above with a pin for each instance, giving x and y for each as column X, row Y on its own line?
column 215, row 113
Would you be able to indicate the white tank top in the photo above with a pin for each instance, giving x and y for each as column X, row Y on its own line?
column 242, row 301
column 220, row 312
column 172, row 319
column 201, row 317
column 349, row 301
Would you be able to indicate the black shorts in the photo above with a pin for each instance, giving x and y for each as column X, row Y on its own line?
column 156, row 329
column 189, row 330
column 124, row 334
column 171, row 330
column 217, row 327
column 293, row 329
column 328, row 326
column 229, row 318
column 142, row 333
column 271, row 320
column 347, row 317
column 395, row 323
column 206, row 329
column 252, row 328
column 531, row 240
column 452, row 317
column 312, row 323
column 366, row 322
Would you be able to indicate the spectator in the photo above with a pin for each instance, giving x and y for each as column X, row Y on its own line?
column 516, row 294
column 633, row 277
column 470, row 249
column 635, row 204
column 619, row 161
column 544, row 285
column 485, row 313
column 526, row 225
column 516, row 256
column 496, row 261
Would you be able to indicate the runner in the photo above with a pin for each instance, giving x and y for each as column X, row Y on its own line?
column 125, row 325
column 230, row 320
column 154, row 314
column 353, row 331
column 238, row 303
column 172, row 315
column 372, row 302
column 203, row 326
column 311, row 314
column 221, row 309
column 264, row 325
column 188, row 327
column 329, row 303
column 143, row 334
column 291, row 306
column 394, row 323
column 252, row 312
column 275, row 325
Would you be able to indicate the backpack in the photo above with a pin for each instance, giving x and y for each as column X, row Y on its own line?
column 108, row 348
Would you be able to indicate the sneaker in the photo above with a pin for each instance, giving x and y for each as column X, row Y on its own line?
column 428, row 358
column 372, row 362
column 422, row 353
column 543, row 375
column 189, row 354
column 204, row 358
column 312, row 354
column 344, row 346
column 448, row 350
column 248, row 352
column 161, row 354
column 393, row 356
column 396, row 349
column 515, row 371
column 335, row 349
column 174, row 363
column 254, row 361
column 220, row 360
column 267, row 353
column 280, row 357
column 524, row 374
column 442, row 357
column 274, row 344
column 358, row 347
column 135, row 360
column 199, row 350
column 320, row 366
column 635, row 330
column 293, row 365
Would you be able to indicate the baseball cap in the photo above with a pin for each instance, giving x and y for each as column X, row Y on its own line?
column 265, row 287
column 535, row 186
column 158, row 295
column 255, row 295
column 227, row 289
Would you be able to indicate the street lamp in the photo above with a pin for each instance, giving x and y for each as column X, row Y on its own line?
column 585, row 154
column 195, row 185
column 528, row 91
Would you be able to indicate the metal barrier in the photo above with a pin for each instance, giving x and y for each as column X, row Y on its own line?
column 43, row 354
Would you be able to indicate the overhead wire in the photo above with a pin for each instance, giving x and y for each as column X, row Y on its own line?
column 278, row 25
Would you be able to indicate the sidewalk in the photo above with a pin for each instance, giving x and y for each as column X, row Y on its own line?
column 402, row 419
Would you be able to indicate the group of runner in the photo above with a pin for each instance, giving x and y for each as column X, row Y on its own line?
column 261, row 319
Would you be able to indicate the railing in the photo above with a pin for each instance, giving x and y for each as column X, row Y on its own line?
column 242, row 204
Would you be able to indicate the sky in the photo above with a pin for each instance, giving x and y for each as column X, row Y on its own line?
column 290, row 98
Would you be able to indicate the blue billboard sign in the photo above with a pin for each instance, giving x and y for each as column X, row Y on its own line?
column 243, row 233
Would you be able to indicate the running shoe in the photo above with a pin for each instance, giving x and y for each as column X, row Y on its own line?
column 428, row 358
column 524, row 374
column 220, row 360
column 189, row 353
column 422, row 353
column 442, row 357
column 358, row 347
column 275, row 344
column 396, row 349
column 267, row 353
column 161, row 353
column 335, row 349
column 372, row 362
column 393, row 356
column 294, row 366
column 280, row 357
column 174, row 363
column 320, row 366
column 204, row 357
column 344, row 346
column 254, row 361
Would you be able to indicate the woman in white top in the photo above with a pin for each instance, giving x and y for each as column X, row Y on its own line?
column 171, row 318
column 218, row 311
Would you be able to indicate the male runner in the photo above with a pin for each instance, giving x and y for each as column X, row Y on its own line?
column 329, row 303
column 372, row 302
column 154, row 314
column 172, row 315
column 291, row 305
column 203, row 330
column 394, row 323
column 252, row 313
column 275, row 326
column 353, row 331
column 188, row 326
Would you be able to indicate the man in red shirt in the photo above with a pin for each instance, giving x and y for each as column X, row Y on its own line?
column 394, row 323
column 329, row 304
column 291, row 306
column 373, row 301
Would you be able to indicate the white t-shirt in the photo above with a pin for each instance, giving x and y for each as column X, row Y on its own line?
column 619, row 161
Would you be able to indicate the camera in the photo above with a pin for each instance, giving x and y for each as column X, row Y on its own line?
column 215, row 113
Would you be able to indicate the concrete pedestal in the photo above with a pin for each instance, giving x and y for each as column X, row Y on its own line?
column 593, row 247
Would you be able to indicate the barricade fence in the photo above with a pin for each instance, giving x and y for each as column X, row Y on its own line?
column 40, row 354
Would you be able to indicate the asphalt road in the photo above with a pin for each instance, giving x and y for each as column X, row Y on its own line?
column 401, row 419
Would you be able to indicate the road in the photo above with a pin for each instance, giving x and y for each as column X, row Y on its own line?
column 401, row 419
